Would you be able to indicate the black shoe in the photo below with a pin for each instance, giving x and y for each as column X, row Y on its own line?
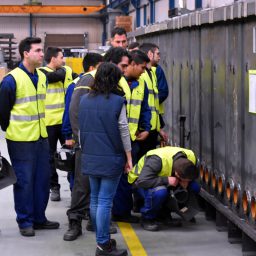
column 55, row 194
column 29, row 231
column 149, row 225
column 109, row 250
column 47, row 225
column 89, row 227
column 169, row 221
column 74, row 231
column 125, row 218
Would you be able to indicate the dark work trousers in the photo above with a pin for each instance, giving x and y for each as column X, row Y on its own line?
column 30, row 161
column 123, row 203
column 148, row 144
column 54, row 134
column 80, row 196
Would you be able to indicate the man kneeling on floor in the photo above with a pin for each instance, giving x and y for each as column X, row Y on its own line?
column 156, row 173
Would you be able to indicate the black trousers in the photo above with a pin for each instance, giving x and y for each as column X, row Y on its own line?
column 148, row 144
column 80, row 196
column 54, row 134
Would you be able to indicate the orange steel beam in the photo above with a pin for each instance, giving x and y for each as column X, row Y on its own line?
column 50, row 9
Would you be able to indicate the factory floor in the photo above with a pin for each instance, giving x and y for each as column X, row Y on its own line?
column 192, row 239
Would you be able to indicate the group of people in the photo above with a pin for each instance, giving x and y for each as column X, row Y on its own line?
column 112, row 115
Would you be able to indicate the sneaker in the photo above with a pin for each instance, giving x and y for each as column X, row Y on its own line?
column 29, row 231
column 149, row 225
column 125, row 218
column 55, row 194
column 89, row 227
column 109, row 250
column 74, row 231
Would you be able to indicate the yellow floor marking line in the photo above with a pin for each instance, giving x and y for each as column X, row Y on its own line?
column 131, row 239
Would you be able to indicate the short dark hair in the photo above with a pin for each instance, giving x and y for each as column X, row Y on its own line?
column 115, row 55
column 119, row 31
column 25, row 44
column 51, row 52
column 133, row 45
column 139, row 57
column 185, row 168
column 106, row 79
column 146, row 47
column 91, row 59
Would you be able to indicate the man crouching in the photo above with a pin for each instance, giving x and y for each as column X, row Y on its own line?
column 156, row 173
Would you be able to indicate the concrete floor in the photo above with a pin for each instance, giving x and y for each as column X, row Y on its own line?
column 200, row 239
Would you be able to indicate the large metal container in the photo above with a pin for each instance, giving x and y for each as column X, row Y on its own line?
column 206, row 57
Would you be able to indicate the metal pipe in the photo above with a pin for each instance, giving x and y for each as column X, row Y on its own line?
column 207, row 175
column 182, row 130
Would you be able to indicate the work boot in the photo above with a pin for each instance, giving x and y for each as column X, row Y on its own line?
column 55, row 194
column 149, row 225
column 29, row 231
column 89, row 227
column 109, row 250
column 74, row 231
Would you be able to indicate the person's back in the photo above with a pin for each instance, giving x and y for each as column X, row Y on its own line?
column 102, row 150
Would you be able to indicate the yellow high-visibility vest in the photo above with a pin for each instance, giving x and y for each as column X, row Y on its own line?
column 161, row 106
column 153, row 100
column 27, row 119
column 55, row 98
column 133, row 115
column 166, row 154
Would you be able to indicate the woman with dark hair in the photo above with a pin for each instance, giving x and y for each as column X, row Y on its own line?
column 106, row 149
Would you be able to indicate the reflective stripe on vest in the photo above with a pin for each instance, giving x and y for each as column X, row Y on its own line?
column 161, row 106
column 133, row 115
column 27, row 119
column 153, row 101
column 166, row 154
column 55, row 98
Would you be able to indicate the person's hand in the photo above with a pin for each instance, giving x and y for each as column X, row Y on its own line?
column 163, row 135
column 142, row 135
column 70, row 143
column 128, row 166
column 173, row 181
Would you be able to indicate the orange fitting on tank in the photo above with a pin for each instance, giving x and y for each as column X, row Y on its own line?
column 206, row 176
column 237, row 193
column 214, row 179
column 201, row 172
column 221, row 183
column 229, row 189
column 253, row 208
column 246, row 201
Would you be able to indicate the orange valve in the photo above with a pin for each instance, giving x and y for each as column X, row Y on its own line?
column 214, row 180
column 245, row 201
column 221, row 182
column 201, row 172
column 253, row 207
column 237, row 191
column 229, row 188
column 206, row 176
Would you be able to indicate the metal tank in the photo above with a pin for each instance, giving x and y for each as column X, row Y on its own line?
column 207, row 56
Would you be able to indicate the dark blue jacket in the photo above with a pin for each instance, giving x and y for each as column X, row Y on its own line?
column 66, row 128
column 102, row 147
column 162, row 84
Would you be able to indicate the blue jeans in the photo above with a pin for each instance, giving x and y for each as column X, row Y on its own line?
column 30, row 161
column 102, row 193
column 153, row 201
